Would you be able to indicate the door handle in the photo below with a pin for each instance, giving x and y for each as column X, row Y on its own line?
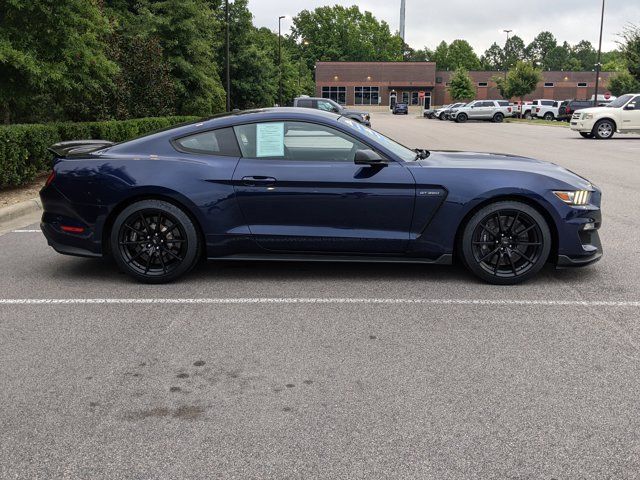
column 256, row 180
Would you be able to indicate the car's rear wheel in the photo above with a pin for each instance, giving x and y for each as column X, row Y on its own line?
column 506, row 242
column 154, row 241
column 498, row 117
column 586, row 134
column 604, row 129
column 527, row 115
column 461, row 118
column 548, row 116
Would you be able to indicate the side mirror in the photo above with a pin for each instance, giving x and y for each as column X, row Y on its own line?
column 336, row 110
column 368, row 157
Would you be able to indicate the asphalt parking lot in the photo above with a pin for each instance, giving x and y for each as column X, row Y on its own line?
column 259, row 370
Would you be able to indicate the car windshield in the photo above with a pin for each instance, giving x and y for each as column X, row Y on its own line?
column 620, row 101
column 406, row 154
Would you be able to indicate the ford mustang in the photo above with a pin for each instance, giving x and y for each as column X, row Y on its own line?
column 299, row 184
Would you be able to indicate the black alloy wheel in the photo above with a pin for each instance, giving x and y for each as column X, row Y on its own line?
column 461, row 118
column 498, row 117
column 506, row 242
column 154, row 241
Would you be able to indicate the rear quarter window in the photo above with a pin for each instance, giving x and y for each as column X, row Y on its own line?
column 213, row 142
column 305, row 103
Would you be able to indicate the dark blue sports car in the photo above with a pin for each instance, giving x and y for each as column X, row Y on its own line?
column 300, row 184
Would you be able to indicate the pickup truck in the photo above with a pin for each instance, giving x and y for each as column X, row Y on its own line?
column 548, row 109
column 494, row 110
column 622, row 116
column 329, row 105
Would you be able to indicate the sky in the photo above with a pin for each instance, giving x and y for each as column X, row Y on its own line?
column 479, row 22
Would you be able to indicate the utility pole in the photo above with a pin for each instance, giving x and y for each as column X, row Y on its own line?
column 595, row 97
column 226, row 73
column 280, row 60
column 506, row 66
column 402, row 15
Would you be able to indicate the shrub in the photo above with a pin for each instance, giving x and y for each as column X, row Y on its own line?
column 23, row 148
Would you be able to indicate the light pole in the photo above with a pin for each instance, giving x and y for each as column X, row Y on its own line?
column 595, row 97
column 226, row 61
column 506, row 66
column 280, row 59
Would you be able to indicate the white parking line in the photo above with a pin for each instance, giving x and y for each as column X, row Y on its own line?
column 305, row 301
column 26, row 231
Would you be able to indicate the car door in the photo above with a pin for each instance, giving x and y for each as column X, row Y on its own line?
column 473, row 110
column 300, row 191
column 630, row 117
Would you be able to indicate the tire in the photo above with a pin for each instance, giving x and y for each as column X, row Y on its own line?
column 527, row 115
column 461, row 118
column 548, row 116
column 498, row 118
column 523, row 243
column 174, row 244
column 586, row 134
column 603, row 129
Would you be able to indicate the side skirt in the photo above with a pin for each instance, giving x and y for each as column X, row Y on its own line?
column 445, row 259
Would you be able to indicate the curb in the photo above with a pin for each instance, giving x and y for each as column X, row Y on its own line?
column 22, row 209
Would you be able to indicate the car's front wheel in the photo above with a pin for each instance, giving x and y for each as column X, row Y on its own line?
column 506, row 242
column 498, row 118
column 154, row 241
column 461, row 118
column 604, row 129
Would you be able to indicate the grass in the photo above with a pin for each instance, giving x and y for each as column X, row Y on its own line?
column 552, row 123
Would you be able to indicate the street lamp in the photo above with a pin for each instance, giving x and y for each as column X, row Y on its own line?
column 280, row 59
column 598, row 65
column 506, row 66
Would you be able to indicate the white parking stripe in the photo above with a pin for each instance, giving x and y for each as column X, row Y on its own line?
column 383, row 301
column 26, row 231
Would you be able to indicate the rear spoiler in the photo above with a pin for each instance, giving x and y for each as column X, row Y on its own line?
column 77, row 147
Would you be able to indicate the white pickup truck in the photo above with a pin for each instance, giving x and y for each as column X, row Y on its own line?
column 547, row 109
column 622, row 116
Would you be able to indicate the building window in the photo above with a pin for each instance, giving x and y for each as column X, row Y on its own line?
column 549, row 84
column 366, row 95
column 337, row 94
column 438, row 79
column 482, row 84
column 405, row 97
column 447, row 84
column 582, row 84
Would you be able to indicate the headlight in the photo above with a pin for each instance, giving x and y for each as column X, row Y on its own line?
column 578, row 197
column 587, row 116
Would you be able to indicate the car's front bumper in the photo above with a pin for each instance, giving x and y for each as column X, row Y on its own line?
column 581, row 125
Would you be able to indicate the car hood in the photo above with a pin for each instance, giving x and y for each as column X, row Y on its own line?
column 348, row 111
column 596, row 110
column 499, row 161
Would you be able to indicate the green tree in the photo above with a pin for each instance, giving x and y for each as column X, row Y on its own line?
column 493, row 58
column 461, row 54
column 52, row 59
column 630, row 48
column 186, row 30
column 461, row 85
column 585, row 54
column 513, row 51
column 558, row 57
column 521, row 80
column 423, row 55
column 441, row 56
column 622, row 83
column 340, row 33
column 539, row 48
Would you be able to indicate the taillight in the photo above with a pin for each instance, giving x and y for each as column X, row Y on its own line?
column 50, row 178
column 509, row 109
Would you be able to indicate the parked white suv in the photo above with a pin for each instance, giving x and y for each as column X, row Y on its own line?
column 494, row 110
column 548, row 109
column 622, row 116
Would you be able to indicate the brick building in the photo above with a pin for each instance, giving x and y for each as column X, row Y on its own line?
column 374, row 83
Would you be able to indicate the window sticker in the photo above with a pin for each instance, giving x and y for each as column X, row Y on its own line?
column 270, row 139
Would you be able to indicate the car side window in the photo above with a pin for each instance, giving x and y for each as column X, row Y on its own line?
column 548, row 103
column 635, row 103
column 305, row 103
column 213, row 142
column 296, row 141
column 326, row 106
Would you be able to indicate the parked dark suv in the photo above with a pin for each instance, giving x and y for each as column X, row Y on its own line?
column 568, row 107
column 329, row 105
column 400, row 108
